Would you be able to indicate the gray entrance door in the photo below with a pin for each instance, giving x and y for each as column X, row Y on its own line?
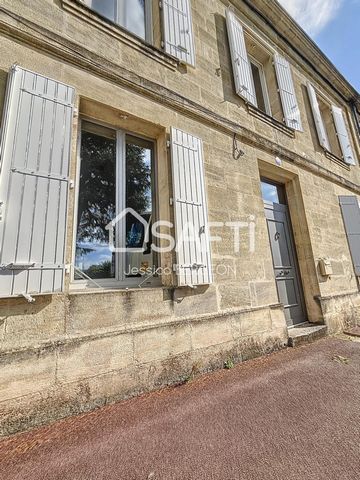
column 284, row 258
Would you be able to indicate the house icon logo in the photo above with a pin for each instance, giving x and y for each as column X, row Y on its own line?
column 139, row 221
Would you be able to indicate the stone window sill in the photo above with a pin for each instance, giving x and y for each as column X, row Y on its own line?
column 76, row 290
column 337, row 160
column 255, row 112
column 77, row 8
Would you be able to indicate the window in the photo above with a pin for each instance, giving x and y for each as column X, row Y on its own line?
column 116, row 174
column 257, row 65
column 327, row 117
column 133, row 15
column 260, row 86
column 272, row 192
column 331, row 127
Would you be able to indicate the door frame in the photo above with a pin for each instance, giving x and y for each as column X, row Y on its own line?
column 292, row 247
column 301, row 234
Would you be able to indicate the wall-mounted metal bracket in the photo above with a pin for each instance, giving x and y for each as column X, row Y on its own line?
column 28, row 297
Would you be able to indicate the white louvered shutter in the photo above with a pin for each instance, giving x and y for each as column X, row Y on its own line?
column 351, row 214
column 35, row 153
column 190, row 208
column 243, row 78
column 178, row 30
column 320, row 127
column 343, row 136
column 289, row 101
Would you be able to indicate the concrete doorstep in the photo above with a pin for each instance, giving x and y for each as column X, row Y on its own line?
column 306, row 333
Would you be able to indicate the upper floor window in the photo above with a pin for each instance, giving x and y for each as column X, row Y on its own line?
column 331, row 126
column 257, row 67
column 167, row 26
column 260, row 86
column 133, row 15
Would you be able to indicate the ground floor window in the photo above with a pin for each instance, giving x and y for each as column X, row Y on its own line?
column 116, row 185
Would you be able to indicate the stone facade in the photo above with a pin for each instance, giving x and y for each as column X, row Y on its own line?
column 69, row 353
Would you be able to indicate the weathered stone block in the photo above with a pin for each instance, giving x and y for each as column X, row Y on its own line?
column 256, row 322
column 190, row 302
column 233, row 295
column 213, row 332
column 160, row 343
column 24, row 374
column 94, row 357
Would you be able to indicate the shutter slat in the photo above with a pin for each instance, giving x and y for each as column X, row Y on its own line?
column 343, row 136
column 36, row 139
column 287, row 93
column 178, row 30
column 243, row 79
column 191, row 218
column 320, row 127
column 351, row 214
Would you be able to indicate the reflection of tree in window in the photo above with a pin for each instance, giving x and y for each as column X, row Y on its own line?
column 97, row 187
column 138, row 191
column 97, row 204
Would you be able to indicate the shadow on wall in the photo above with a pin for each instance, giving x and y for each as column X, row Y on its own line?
column 3, row 80
column 225, row 61
column 12, row 307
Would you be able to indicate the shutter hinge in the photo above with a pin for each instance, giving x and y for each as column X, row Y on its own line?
column 28, row 297
column 71, row 184
column 171, row 201
column 162, row 44
column 160, row 4
column 168, row 143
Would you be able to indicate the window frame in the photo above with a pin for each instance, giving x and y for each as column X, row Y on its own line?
column 120, row 281
column 324, row 99
column 148, row 23
column 263, row 82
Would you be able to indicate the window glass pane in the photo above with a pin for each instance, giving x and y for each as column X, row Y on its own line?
column 131, row 15
column 104, row 7
column 139, row 197
column 258, row 87
column 97, row 202
column 270, row 193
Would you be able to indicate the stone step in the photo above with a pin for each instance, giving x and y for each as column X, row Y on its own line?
column 306, row 333
column 353, row 332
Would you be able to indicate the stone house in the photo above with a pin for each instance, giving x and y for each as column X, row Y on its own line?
column 126, row 124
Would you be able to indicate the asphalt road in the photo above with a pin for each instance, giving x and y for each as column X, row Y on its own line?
column 292, row 415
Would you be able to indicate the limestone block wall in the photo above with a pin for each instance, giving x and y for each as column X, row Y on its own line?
column 69, row 353
column 80, row 351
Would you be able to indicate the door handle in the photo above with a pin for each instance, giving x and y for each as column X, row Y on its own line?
column 284, row 273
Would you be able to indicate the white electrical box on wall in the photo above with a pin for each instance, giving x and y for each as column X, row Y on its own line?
column 325, row 267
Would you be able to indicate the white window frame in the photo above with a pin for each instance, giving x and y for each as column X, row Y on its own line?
column 148, row 20
column 325, row 99
column 120, row 281
column 263, row 84
column 251, row 33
